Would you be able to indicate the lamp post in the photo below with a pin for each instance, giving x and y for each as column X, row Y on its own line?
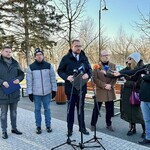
column 100, row 9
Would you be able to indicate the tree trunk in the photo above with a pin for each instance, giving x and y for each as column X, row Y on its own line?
column 27, row 44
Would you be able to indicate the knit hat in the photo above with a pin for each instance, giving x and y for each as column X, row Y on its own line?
column 38, row 50
column 136, row 56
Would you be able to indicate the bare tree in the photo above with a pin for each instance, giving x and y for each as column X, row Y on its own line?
column 72, row 11
column 144, row 25
column 121, row 47
column 89, row 40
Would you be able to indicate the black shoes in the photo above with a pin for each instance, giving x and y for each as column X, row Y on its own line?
column 84, row 131
column 16, row 132
column 69, row 133
column 92, row 128
column 131, row 132
column 49, row 129
column 4, row 135
column 38, row 130
column 110, row 128
column 143, row 135
column 144, row 142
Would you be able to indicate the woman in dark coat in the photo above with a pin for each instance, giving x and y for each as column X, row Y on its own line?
column 132, row 113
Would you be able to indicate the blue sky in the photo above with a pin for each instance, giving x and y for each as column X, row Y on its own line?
column 121, row 13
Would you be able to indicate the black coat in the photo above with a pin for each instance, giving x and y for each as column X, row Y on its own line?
column 131, row 113
column 67, row 66
column 7, row 74
column 145, row 84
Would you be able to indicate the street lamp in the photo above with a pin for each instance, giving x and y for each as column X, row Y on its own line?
column 104, row 8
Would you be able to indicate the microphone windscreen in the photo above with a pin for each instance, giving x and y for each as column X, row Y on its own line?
column 106, row 67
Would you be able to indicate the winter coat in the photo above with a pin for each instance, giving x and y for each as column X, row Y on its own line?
column 100, row 80
column 67, row 66
column 131, row 113
column 41, row 78
column 8, row 74
column 145, row 83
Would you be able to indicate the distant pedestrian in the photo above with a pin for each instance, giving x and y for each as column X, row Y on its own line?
column 41, row 87
column 10, row 71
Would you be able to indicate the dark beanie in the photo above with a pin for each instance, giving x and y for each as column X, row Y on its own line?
column 38, row 50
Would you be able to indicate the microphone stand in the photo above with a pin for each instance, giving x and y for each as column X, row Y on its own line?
column 69, row 141
column 95, row 138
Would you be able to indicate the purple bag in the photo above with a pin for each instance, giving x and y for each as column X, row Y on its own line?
column 134, row 98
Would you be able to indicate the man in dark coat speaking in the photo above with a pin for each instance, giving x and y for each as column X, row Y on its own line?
column 73, row 63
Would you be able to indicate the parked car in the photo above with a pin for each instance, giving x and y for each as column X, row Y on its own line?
column 119, row 67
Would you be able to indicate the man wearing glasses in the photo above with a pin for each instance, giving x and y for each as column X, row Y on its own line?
column 104, row 91
column 72, row 61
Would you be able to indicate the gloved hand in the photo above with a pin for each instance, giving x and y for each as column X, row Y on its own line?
column 31, row 97
column 53, row 94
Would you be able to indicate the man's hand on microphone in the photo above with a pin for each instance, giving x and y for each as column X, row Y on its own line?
column 85, row 76
column 70, row 78
column 108, row 86
column 103, row 71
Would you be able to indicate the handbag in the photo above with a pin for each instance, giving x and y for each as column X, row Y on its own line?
column 134, row 98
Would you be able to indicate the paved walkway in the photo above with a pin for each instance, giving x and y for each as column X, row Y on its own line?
column 31, row 141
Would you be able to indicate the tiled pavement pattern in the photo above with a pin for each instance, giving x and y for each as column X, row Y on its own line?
column 46, row 141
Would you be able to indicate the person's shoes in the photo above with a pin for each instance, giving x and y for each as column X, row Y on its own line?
column 110, row 128
column 4, row 135
column 16, row 131
column 144, row 142
column 49, row 129
column 84, row 131
column 143, row 135
column 69, row 133
column 131, row 132
column 92, row 128
column 38, row 130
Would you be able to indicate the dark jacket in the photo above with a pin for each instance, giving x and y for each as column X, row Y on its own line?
column 7, row 74
column 67, row 66
column 145, row 84
column 129, row 112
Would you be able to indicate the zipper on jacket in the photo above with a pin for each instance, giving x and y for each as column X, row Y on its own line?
column 42, row 82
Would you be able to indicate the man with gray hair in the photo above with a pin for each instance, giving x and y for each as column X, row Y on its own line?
column 104, row 90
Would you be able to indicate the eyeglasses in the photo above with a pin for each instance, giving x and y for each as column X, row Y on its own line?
column 105, row 55
column 78, row 46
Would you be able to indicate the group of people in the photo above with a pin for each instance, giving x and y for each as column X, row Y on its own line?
column 42, row 86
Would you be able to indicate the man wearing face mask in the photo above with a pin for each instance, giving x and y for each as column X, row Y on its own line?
column 41, row 87
column 104, row 91
column 73, row 60
column 10, row 71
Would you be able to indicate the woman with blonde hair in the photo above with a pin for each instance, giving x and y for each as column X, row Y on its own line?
column 132, row 113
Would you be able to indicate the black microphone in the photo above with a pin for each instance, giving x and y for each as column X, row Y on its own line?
column 75, row 72
column 81, row 69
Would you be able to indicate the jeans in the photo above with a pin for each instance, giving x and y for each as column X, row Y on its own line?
column 13, row 115
column 145, row 106
column 109, row 106
column 80, row 111
column 38, row 100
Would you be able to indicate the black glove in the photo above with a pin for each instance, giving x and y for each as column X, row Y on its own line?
column 53, row 94
column 31, row 97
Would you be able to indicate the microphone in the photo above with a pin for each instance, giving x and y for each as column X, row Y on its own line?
column 81, row 68
column 107, row 69
column 75, row 72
